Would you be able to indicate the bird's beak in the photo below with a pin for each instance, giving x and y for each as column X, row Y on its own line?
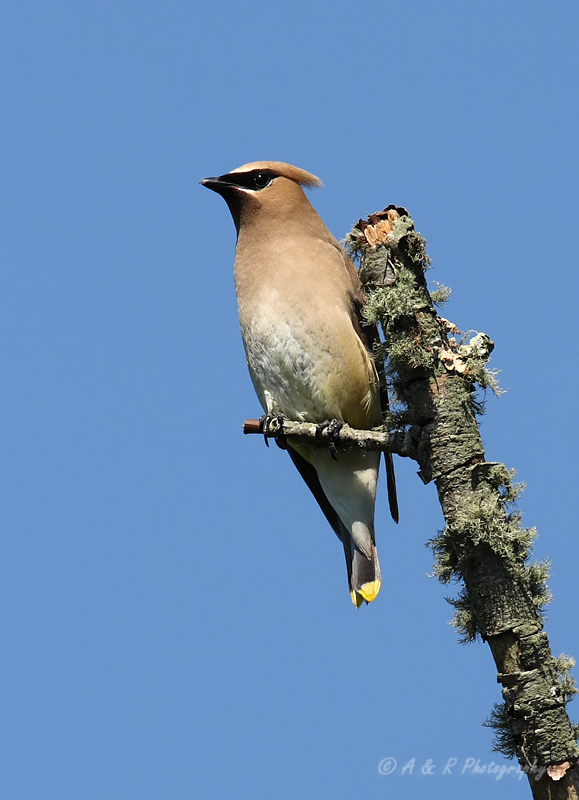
column 218, row 185
column 228, row 191
column 211, row 183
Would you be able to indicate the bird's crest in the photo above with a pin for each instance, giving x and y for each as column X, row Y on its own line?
column 285, row 170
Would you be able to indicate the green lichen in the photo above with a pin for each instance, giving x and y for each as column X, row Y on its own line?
column 414, row 244
column 538, row 573
column 475, row 354
column 563, row 666
column 488, row 524
column 354, row 244
column 464, row 617
column 437, row 384
column 503, row 725
column 440, row 295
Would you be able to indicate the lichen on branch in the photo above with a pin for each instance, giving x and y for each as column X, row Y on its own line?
column 436, row 380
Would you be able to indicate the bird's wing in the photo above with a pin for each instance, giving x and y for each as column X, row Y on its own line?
column 310, row 476
column 364, row 574
column 370, row 336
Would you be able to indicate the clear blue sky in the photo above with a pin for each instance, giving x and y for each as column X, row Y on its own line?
column 174, row 616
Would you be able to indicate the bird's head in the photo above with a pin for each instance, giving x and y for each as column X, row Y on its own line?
column 271, row 190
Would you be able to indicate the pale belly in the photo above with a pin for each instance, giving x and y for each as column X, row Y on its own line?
column 304, row 374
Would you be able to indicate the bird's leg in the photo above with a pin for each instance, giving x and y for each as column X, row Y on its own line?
column 330, row 429
column 266, row 422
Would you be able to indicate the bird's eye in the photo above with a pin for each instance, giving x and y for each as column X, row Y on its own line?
column 261, row 180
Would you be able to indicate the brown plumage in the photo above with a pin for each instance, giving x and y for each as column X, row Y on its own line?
column 299, row 298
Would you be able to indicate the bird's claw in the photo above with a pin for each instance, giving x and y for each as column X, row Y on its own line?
column 266, row 422
column 330, row 430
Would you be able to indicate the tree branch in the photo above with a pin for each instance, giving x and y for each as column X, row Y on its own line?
column 484, row 546
column 377, row 439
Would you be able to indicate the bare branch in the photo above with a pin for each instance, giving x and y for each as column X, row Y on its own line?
column 398, row 442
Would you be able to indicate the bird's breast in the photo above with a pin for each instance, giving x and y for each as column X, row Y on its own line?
column 306, row 360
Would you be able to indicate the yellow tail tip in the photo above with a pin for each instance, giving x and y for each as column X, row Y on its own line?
column 368, row 592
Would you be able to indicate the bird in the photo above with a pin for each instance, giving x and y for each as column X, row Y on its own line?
column 308, row 352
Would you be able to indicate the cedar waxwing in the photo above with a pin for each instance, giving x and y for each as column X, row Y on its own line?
column 299, row 298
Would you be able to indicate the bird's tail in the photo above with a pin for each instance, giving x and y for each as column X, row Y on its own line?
column 364, row 574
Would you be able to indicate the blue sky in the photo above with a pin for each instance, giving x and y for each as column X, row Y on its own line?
column 175, row 621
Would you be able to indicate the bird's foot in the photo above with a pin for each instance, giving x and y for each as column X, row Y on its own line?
column 272, row 424
column 330, row 430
